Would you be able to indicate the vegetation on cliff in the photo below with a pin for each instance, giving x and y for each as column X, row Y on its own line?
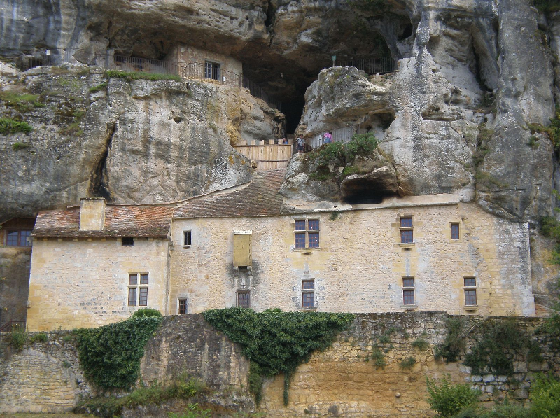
column 277, row 342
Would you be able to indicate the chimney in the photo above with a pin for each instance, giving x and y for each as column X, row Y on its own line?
column 92, row 214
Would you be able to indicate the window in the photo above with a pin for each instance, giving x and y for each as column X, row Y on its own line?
column 469, row 284
column 243, row 299
column 183, row 306
column 408, row 290
column 187, row 238
column 454, row 231
column 308, row 294
column 307, row 231
column 18, row 238
column 212, row 70
column 127, row 242
column 406, row 230
column 138, row 290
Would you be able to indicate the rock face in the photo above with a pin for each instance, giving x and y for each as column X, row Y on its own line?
column 471, row 75
column 130, row 141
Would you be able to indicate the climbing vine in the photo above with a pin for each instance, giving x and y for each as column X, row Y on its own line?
column 110, row 355
column 277, row 342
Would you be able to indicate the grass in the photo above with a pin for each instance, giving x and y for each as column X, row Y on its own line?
column 11, row 126
column 23, row 102
column 132, row 75
column 97, row 88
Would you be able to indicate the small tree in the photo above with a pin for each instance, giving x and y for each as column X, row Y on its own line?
column 545, row 398
column 448, row 399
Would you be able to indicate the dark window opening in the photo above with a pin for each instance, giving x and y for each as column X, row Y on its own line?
column 454, row 231
column 243, row 299
column 18, row 238
column 406, row 230
column 408, row 290
column 183, row 307
column 212, row 70
column 187, row 241
column 127, row 241
column 308, row 294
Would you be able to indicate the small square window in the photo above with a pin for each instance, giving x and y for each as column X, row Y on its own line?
column 143, row 299
column 313, row 224
column 187, row 238
column 300, row 225
column 470, row 297
column 469, row 281
column 454, row 231
column 138, row 296
column 308, row 294
column 183, row 307
column 407, row 236
column 300, row 240
column 406, row 222
column 408, row 290
column 143, row 278
column 127, row 241
column 244, row 299
column 12, row 239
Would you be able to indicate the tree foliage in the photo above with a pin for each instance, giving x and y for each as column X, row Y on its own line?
column 448, row 399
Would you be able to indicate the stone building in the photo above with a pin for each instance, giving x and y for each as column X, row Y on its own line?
column 248, row 246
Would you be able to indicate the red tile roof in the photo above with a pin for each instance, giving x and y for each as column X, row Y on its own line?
column 120, row 221
column 260, row 197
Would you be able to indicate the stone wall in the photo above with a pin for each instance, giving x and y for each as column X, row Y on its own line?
column 341, row 381
column 14, row 283
column 84, row 283
column 361, row 263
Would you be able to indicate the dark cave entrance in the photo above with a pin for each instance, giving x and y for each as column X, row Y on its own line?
column 368, row 190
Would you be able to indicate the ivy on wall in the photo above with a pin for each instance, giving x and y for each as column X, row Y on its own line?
column 277, row 342
column 110, row 355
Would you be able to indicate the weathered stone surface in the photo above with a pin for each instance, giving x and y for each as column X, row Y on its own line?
column 139, row 141
column 14, row 283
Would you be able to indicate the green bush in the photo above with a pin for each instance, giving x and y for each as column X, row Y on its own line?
column 448, row 399
column 18, row 338
column 11, row 126
column 97, row 88
column 361, row 144
column 498, row 411
column 23, row 102
column 146, row 313
column 278, row 341
column 545, row 397
column 40, row 337
column 193, row 411
column 407, row 363
column 110, row 355
column 421, row 344
column 454, row 343
column 499, row 341
column 132, row 75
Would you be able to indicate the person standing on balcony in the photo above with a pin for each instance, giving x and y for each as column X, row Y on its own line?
column 327, row 138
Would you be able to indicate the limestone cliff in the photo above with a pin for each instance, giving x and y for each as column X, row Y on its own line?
column 470, row 76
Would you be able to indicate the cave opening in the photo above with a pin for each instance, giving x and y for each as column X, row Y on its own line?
column 362, row 190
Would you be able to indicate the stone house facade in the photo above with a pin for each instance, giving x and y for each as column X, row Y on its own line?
column 248, row 246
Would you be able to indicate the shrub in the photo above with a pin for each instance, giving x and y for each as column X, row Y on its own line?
column 11, row 126
column 420, row 344
column 494, row 350
column 146, row 313
column 23, row 102
column 545, row 397
column 407, row 363
column 448, row 399
column 18, row 338
column 193, row 411
column 454, row 343
column 110, row 355
column 40, row 337
column 19, row 145
column 361, row 144
column 278, row 341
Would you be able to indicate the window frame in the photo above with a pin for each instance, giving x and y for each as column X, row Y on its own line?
column 243, row 292
column 22, row 236
column 452, row 226
column 212, row 70
column 408, row 289
column 182, row 306
column 406, row 230
column 138, row 289
column 308, row 237
column 467, row 289
column 187, row 238
column 306, row 293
